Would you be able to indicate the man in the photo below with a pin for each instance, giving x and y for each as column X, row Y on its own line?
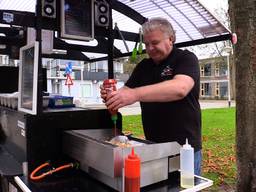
column 167, row 87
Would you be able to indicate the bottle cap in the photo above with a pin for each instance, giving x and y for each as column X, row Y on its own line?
column 132, row 165
column 109, row 81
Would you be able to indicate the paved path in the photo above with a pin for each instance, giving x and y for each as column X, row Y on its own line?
column 208, row 104
column 205, row 104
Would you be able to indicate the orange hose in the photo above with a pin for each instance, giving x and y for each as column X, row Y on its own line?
column 33, row 177
column 70, row 165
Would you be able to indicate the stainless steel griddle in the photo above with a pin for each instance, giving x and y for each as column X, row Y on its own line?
column 104, row 161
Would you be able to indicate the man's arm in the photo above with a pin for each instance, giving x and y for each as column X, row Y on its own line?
column 170, row 90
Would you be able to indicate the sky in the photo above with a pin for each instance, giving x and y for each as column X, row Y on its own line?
column 214, row 4
column 217, row 8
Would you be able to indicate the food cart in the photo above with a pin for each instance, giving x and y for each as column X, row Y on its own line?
column 32, row 133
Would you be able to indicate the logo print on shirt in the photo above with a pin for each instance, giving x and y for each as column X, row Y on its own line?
column 167, row 71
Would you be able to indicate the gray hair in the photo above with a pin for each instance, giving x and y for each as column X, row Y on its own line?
column 158, row 23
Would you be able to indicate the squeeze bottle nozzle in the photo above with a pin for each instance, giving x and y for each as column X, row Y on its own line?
column 114, row 118
column 187, row 146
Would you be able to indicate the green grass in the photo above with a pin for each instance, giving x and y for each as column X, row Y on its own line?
column 218, row 133
column 132, row 124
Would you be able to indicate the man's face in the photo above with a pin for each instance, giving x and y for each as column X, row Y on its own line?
column 158, row 45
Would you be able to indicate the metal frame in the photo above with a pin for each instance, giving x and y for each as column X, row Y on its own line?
column 27, row 19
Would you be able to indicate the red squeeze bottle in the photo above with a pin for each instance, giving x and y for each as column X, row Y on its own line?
column 110, row 85
column 132, row 173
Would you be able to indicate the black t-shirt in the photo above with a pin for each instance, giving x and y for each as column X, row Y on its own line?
column 176, row 120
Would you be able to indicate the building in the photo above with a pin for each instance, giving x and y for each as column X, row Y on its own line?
column 215, row 78
column 87, row 77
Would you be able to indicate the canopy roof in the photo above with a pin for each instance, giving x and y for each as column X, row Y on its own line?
column 191, row 20
column 193, row 23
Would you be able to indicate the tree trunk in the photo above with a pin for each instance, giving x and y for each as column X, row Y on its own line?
column 243, row 22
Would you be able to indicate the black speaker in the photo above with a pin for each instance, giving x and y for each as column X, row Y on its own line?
column 101, row 13
column 49, row 8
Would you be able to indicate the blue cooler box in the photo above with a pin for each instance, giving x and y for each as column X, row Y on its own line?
column 60, row 102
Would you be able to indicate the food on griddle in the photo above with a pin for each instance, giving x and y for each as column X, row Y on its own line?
column 121, row 144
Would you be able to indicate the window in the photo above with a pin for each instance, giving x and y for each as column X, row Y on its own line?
column 206, row 89
column 87, row 67
column 217, row 69
column 118, row 67
column 93, row 67
column 202, row 71
column 223, row 70
column 207, row 69
column 223, row 89
column 28, row 74
column 100, row 66
column 217, row 89
column 202, row 89
column 4, row 59
column 86, row 90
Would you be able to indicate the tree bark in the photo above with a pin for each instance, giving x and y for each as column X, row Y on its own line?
column 243, row 22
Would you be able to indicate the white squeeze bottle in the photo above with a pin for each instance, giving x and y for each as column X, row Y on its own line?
column 187, row 166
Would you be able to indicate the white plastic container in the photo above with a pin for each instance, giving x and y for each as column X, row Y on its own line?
column 187, row 166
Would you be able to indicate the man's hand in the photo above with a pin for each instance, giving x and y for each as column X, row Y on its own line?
column 120, row 98
column 103, row 93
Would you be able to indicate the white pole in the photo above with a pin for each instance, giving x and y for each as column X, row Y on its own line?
column 82, row 72
column 228, row 77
